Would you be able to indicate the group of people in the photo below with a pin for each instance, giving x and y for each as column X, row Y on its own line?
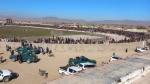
column 61, row 40
column 133, row 36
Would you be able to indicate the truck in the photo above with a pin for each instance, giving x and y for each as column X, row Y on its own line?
column 68, row 70
column 25, row 54
column 82, row 61
column 7, row 75
column 141, row 49
column 29, row 58
column 114, row 58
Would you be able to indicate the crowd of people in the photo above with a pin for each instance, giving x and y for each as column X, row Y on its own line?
column 133, row 37
column 61, row 40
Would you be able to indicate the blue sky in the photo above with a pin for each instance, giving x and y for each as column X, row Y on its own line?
column 79, row 9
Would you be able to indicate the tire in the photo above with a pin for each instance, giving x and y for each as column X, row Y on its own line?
column 28, row 61
column 6, row 79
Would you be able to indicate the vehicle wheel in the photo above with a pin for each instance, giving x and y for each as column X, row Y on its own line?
column 6, row 79
column 28, row 61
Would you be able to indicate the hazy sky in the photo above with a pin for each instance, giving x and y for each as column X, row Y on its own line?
column 79, row 9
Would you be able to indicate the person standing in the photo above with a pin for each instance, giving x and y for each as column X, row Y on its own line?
column 126, row 50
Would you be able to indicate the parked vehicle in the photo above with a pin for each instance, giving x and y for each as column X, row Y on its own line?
column 113, row 58
column 141, row 49
column 25, row 54
column 81, row 59
column 68, row 70
column 7, row 75
column 29, row 58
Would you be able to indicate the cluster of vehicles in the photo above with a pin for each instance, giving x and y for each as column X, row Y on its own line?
column 76, row 65
column 25, row 53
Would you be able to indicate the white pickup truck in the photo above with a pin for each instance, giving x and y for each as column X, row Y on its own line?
column 7, row 75
column 141, row 49
column 68, row 70
column 114, row 58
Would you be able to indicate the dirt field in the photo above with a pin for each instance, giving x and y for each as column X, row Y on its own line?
column 28, row 73
column 19, row 32
column 143, row 80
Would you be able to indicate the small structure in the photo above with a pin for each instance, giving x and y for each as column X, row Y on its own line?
column 9, row 21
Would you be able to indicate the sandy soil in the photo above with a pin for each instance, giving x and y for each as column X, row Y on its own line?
column 113, row 36
column 28, row 73
column 143, row 80
column 78, row 37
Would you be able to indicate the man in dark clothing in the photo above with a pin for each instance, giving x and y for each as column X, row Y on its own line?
column 47, row 50
column 126, row 50
column 12, row 52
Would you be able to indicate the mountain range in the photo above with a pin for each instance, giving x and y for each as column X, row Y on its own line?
column 63, row 20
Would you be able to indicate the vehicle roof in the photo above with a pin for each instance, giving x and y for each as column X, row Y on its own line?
column 5, row 71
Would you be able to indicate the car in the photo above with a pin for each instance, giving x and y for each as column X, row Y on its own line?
column 113, row 58
column 141, row 49
column 7, row 75
column 68, row 70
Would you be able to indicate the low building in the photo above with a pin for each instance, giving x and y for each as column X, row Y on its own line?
column 9, row 21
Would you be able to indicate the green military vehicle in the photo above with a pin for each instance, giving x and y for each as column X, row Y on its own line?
column 25, row 54
column 82, row 62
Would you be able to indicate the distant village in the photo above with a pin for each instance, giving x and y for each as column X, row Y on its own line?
column 124, row 27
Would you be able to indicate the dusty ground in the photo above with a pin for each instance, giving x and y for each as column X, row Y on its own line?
column 109, row 73
column 78, row 37
column 143, row 80
column 28, row 73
